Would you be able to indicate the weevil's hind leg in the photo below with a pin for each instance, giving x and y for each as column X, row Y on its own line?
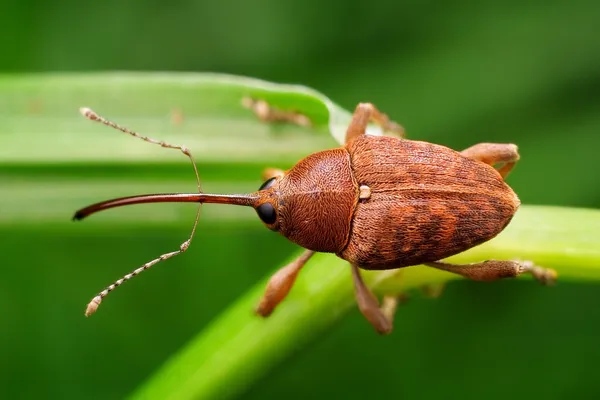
column 281, row 283
column 268, row 113
column 381, row 317
column 91, row 115
column 365, row 113
column 495, row 153
column 491, row 270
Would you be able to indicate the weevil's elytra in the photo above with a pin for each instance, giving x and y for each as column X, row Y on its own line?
column 379, row 202
column 431, row 211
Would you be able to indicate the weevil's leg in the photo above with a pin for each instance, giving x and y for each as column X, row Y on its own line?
column 365, row 113
column 91, row 115
column 267, row 113
column 269, row 173
column 381, row 317
column 495, row 153
column 280, row 284
column 491, row 270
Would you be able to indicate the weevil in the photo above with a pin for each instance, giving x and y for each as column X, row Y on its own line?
column 379, row 202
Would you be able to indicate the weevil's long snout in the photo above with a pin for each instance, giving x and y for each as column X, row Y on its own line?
column 239, row 200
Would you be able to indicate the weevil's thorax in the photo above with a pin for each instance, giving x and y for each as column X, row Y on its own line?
column 316, row 200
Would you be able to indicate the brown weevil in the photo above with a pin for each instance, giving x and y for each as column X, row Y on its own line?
column 378, row 202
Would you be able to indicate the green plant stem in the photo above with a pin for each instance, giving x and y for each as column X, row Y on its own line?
column 238, row 348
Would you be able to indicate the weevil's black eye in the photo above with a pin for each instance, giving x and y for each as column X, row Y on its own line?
column 266, row 212
column 268, row 183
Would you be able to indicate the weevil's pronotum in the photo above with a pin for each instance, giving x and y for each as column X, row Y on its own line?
column 379, row 202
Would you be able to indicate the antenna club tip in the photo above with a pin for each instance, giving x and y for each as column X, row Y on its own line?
column 88, row 113
column 93, row 306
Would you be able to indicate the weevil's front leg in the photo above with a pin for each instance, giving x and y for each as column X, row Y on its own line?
column 491, row 270
column 268, row 113
column 495, row 153
column 280, row 284
column 381, row 317
column 365, row 113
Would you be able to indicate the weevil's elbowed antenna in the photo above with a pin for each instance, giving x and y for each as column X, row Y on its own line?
column 243, row 200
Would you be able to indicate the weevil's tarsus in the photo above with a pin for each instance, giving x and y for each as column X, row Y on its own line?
column 382, row 318
column 281, row 283
column 365, row 113
column 505, row 154
column 492, row 270
column 268, row 113
column 546, row 276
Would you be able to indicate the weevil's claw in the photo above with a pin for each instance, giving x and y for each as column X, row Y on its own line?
column 545, row 276
column 265, row 308
column 93, row 306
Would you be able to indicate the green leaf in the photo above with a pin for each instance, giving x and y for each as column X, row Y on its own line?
column 203, row 110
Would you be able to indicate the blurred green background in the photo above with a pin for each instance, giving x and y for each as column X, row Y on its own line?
column 456, row 74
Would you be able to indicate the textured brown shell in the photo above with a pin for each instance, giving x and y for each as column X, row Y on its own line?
column 427, row 203
column 317, row 198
